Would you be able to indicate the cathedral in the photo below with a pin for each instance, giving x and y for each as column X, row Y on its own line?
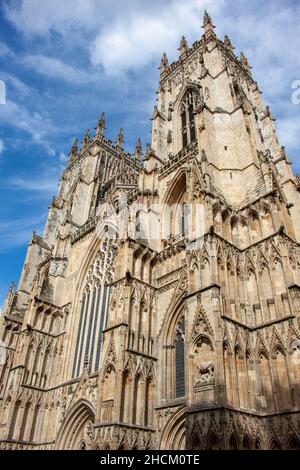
column 161, row 307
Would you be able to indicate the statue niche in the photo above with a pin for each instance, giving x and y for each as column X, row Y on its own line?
column 206, row 373
column 203, row 370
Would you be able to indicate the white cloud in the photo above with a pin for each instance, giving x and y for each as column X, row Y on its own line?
column 44, row 184
column 63, row 158
column 136, row 41
column 16, row 83
column 271, row 40
column 5, row 51
column 36, row 124
column 2, row 147
column 56, row 69
column 289, row 131
column 121, row 35
column 17, row 232
column 37, row 17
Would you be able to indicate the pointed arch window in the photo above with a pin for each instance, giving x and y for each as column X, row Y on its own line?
column 187, row 112
column 179, row 359
column 93, row 320
column 93, row 313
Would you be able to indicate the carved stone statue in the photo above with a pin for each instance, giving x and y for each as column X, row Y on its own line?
column 206, row 371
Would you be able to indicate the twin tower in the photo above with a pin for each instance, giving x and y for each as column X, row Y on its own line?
column 180, row 329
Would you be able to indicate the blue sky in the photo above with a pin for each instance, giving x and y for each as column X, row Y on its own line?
column 64, row 63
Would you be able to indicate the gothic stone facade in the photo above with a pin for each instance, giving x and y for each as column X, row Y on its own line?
column 159, row 342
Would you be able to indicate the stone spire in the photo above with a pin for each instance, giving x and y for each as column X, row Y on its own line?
column 183, row 46
column 164, row 63
column 87, row 138
column 228, row 44
column 138, row 150
column 120, row 138
column 74, row 150
column 207, row 23
column 101, row 126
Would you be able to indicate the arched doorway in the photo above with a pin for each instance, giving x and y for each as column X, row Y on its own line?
column 77, row 431
column 173, row 436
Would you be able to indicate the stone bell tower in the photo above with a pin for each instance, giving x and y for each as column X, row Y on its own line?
column 183, row 331
column 242, row 284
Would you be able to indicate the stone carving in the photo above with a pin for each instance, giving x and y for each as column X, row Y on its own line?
column 206, row 372
column 89, row 433
column 58, row 266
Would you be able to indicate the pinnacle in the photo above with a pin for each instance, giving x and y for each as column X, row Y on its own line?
column 101, row 125
column 164, row 59
column 138, row 149
column 75, row 144
column 164, row 63
column 183, row 45
column 207, row 18
column 74, row 149
column 102, row 119
column 244, row 62
column 120, row 138
column 207, row 22
column 228, row 43
column 87, row 137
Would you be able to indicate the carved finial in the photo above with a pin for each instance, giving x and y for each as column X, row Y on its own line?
column 228, row 44
column 87, row 137
column 207, row 22
column 138, row 150
column 244, row 62
column 164, row 63
column 101, row 125
column 120, row 138
column 183, row 46
column 74, row 150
